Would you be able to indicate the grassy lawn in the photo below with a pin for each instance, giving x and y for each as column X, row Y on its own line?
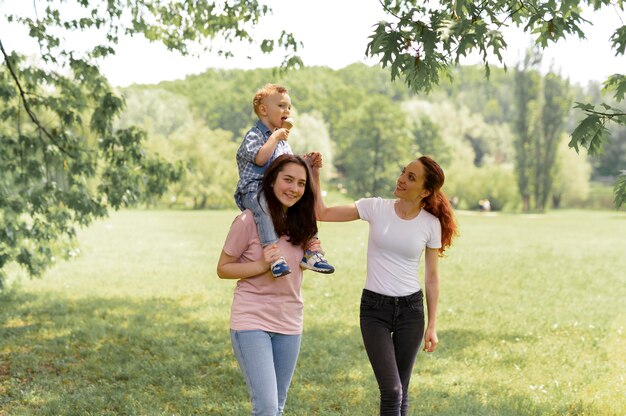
column 532, row 322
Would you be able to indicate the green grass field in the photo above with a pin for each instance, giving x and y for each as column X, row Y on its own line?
column 532, row 322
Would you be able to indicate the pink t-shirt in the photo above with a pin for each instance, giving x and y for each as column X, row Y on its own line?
column 264, row 302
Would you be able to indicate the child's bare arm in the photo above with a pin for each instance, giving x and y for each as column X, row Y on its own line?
column 266, row 151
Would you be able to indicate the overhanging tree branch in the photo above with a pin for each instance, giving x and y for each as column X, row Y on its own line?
column 608, row 115
column 25, row 104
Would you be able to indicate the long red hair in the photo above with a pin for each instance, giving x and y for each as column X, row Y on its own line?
column 437, row 203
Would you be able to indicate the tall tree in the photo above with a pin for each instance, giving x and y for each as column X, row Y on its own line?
column 63, row 162
column 527, row 87
column 427, row 137
column 555, row 107
column 542, row 106
column 423, row 40
column 373, row 138
column 571, row 182
column 311, row 135
column 211, row 174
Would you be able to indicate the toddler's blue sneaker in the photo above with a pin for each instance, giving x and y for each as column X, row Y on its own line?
column 280, row 268
column 313, row 260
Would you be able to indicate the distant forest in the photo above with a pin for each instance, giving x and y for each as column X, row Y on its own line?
column 503, row 139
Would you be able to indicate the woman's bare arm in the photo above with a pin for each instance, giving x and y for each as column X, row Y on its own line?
column 229, row 267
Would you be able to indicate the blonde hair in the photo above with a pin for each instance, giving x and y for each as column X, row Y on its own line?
column 265, row 91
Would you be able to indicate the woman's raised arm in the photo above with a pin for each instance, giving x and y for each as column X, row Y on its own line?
column 339, row 213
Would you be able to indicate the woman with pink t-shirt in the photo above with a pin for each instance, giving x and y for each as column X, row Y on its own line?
column 266, row 313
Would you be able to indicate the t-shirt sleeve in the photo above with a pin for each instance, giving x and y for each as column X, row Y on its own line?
column 238, row 238
column 435, row 234
column 365, row 206
column 251, row 145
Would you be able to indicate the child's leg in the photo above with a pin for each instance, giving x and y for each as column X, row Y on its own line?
column 265, row 227
column 314, row 258
column 262, row 218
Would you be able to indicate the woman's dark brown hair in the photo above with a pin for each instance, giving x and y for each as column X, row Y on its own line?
column 298, row 222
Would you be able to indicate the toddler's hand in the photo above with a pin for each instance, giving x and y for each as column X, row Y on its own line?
column 280, row 134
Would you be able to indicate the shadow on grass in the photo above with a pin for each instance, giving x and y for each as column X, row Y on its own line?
column 334, row 378
column 121, row 356
column 115, row 356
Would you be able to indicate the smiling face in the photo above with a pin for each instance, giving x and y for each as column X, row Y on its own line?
column 274, row 109
column 410, row 183
column 290, row 184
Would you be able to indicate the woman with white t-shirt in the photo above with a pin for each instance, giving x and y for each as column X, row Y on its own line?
column 267, row 313
column 392, row 312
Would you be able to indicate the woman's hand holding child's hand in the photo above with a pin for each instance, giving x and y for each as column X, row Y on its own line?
column 314, row 159
column 271, row 253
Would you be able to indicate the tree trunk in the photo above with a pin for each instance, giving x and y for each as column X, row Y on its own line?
column 556, row 200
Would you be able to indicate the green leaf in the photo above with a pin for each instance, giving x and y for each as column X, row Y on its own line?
column 618, row 40
column 584, row 106
column 590, row 134
column 267, row 45
column 616, row 83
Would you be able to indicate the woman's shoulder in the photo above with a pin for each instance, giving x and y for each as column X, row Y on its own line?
column 372, row 207
column 246, row 216
column 375, row 201
column 429, row 217
column 244, row 220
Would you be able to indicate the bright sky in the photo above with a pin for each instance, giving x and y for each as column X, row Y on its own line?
column 335, row 34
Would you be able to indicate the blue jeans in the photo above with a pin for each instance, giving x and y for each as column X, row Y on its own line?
column 267, row 360
column 262, row 218
column 392, row 330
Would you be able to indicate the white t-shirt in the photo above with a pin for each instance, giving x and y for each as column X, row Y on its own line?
column 395, row 246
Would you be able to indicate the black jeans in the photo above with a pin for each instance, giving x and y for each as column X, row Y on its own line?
column 392, row 330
